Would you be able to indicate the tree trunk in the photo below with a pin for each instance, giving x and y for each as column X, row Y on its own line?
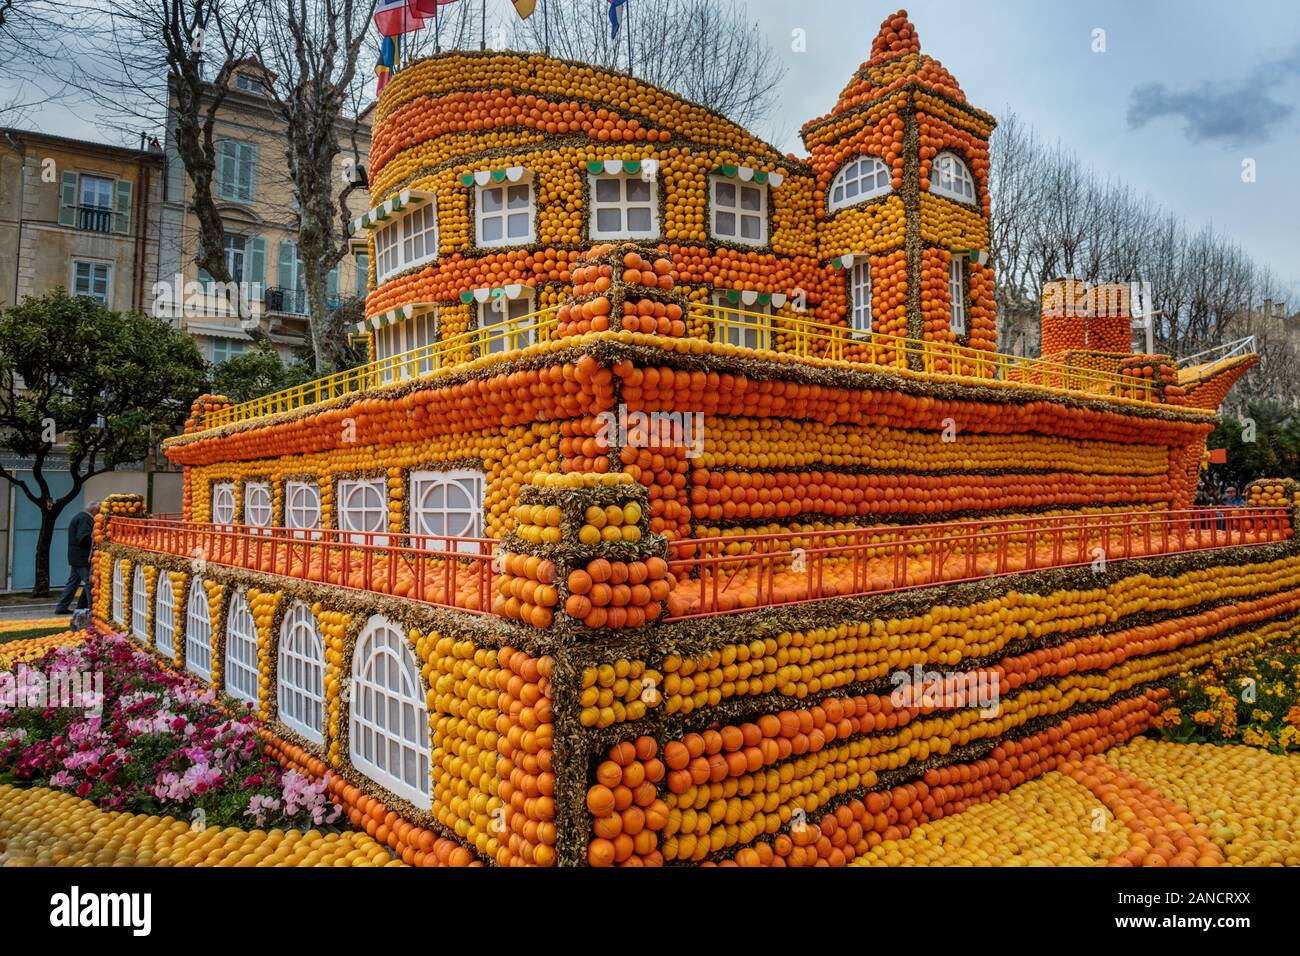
column 50, row 511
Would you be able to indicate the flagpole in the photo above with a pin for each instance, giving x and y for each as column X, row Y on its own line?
column 482, row 43
column 627, row 16
column 437, row 39
column 546, row 27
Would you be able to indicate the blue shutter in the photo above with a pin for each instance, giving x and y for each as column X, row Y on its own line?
column 256, row 271
column 363, row 274
column 122, row 220
column 68, row 199
column 225, row 179
column 248, row 171
column 332, row 284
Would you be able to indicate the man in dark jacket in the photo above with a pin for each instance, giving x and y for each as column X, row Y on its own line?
column 81, row 536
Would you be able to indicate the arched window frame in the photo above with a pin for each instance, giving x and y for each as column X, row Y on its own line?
column 861, row 179
column 140, row 605
column 119, row 594
column 241, row 662
column 198, row 632
column 373, row 745
column 957, row 183
column 164, row 616
column 458, row 513
column 300, row 674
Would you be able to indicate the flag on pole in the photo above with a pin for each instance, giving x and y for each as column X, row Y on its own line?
column 429, row 8
column 524, row 8
column 615, row 17
column 395, row 17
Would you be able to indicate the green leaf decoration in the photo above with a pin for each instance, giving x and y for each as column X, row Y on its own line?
column 631, row 165
column 498, row 175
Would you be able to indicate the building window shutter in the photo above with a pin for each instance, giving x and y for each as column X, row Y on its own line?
column 68, row 200
column 122, row 220
column 225, row 169
column 256, row 272
column 284, row 265
column 363, row 274
column 248, row 172
column 332, row 283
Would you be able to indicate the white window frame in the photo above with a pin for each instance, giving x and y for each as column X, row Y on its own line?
column 623, row 206
column 164, row 615
column 119, row 594
column 720, row 207
column 230, row 163
column 386, row 684
column 859, row 282
column 420, row 331
column 745, row 335
column 302, row 511
column 259, row 507
column 395, row 241
column 360, row 515
column 241, row 671
column 491, row 313
column 223, row 497
column 139, row 605
column 92, row 265
column 434, row 514
column 861, row 179
column 951, row 178
column 300, row 674
column 198, row 632
column 957, row 295
column 482, row 216
column 86, row 179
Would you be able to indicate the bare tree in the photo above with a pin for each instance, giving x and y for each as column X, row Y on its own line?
column 175, row 58
column 31, row 36
column 312, row 47
column 708, row 51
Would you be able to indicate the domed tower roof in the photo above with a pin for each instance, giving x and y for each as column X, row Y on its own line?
column 896, row 61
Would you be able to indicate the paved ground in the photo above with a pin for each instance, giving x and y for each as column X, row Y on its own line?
column 24, row 612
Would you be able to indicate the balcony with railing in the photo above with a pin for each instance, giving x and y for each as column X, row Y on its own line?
column 283, row 301
column 723, row 575
column 95, row 218
column 725, row 331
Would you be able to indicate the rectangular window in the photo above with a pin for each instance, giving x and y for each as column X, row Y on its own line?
column 447, row 504
column 362, row 507
column 302, row 508
column 92, row 280
column 96, row 192
column 236, row 253
column 249, row 84
column 957, row 295
column 418, row 332
column 507, row 324
column 223, row 503
column 623, row 207
column 236, row 170
column 860, row 297
column 363, row 275
column 258, row 510
column 504, row 214
column 407, row 242
column 739, row 211
column 735, row 327
column 223, row 349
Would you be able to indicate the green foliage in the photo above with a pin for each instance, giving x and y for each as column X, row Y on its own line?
column 110, row 382
column 1264, row 444
column 259, row 371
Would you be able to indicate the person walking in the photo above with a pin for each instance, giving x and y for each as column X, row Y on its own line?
column 81, row 538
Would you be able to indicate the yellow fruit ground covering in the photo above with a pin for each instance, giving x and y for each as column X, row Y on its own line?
column 31, row 624
column 1139, row 804
column 40, row 827
column 34, row 648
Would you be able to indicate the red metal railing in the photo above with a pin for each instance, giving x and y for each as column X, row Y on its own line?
column 723, row 574
column 443, row 571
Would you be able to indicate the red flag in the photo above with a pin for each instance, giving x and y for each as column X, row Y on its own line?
column 428, row 8
column 394, row 17
column 1218, row 456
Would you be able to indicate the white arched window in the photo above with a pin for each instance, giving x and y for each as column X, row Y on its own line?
column 164, row 616
column 950, row 177
column 257, row 504
column 389, row 728
column 119, row 593
column 241, row 651
column 362, row 505
column 301, row 674
column 198, row 632
column 449, row 504
column 302, row 506
column 858, row 180
column 223, row 503
column 140, row 606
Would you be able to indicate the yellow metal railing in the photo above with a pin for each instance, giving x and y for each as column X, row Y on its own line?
column 500, row 338
column 813, row 340
column 724, row 325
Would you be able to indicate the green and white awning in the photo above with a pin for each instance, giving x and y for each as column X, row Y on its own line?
column 977, row 257
column 512, row 291
column 748, row 174
column 393, row 316
column 752, row 297
column 846, row 261
column 633, row 167
column 482, row 177
column 404, row 201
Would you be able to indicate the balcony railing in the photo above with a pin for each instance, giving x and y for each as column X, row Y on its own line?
column 724, row 327
column 95, row 218
column 724, row 574
column 430, row 569
column 293, row 301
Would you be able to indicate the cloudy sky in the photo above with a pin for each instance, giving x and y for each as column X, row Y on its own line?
column 1184, row 92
